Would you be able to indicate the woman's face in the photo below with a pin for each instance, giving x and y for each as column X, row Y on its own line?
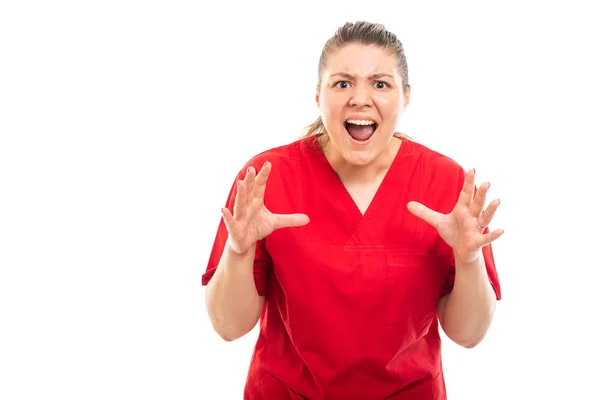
column 360, row 99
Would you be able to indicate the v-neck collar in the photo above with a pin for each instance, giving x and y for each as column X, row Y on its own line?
column 361, row 226
column 343, row 192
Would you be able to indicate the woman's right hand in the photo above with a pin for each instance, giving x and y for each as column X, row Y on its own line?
column 251, row 220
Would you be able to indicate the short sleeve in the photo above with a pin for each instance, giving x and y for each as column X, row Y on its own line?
column 262, row 260
column 488, row 256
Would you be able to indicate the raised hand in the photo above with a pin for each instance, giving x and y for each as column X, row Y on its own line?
column 462, row 229
column 251, row 221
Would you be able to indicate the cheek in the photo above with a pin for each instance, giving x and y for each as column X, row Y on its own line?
column 389, row 107
column 331, row 106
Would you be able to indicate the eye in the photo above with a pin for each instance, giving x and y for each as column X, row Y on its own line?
column 381, row 85
column 342, row 84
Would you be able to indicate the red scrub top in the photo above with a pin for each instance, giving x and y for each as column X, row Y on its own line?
column 351, row 299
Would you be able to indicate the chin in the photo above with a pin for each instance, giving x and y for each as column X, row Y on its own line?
column 359, row 158
column 354, row 152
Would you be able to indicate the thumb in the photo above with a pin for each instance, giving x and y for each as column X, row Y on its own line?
column 290, row 220
column 423, row 212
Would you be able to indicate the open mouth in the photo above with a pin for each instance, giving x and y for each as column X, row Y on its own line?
column 360, row 130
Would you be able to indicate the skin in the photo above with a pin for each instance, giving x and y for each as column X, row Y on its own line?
column 361, row 82
column 233, row 304
column 467, row 312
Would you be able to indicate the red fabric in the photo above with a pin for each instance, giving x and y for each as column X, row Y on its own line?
column 351, row 299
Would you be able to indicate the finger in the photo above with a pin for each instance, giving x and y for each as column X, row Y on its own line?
column 249, row 179
column 486, row 217
column 290, row 220
column 228, row 219
column 489, row 237
column 423, row 212
column 479, row 200
column 466, row 194
column 261, row 181
column 241, row 201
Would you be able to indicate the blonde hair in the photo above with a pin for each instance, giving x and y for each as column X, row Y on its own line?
column 366, row 33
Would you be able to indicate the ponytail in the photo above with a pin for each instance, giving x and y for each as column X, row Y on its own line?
column 314, row 128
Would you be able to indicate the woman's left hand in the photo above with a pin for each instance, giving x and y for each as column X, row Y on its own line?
column 462, row 229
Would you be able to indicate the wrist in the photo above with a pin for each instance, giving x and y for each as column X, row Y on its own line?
column 469, row 260
column 235, row 251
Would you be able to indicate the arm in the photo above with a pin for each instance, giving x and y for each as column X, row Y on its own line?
column 232, row 302
column 467, row 312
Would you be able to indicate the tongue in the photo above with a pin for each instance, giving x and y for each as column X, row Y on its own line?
column 360, row 132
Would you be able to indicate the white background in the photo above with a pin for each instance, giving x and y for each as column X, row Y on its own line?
column 123, row 124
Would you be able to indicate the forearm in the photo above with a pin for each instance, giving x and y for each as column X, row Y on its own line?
column 232, row 301
column 470, row 306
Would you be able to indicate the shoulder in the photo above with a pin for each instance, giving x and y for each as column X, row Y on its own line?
column 436, row 163
column 281, row 157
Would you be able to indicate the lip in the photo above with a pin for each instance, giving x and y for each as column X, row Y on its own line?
column 360, row 143
column 360, row 117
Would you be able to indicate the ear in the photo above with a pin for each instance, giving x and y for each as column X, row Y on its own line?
column 317, row 96
column 407, row 96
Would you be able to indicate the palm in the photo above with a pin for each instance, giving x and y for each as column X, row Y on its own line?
column 251, row 221
column 451, row 228
column 258, row 224
column 459, row 228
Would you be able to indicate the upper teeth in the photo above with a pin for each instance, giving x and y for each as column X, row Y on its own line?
column 360, row 122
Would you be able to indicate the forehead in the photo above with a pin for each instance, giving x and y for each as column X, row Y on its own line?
column 361, row 60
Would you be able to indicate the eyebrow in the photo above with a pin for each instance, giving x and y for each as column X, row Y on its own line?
column 374, row 76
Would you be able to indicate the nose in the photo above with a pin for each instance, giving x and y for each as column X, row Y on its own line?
column 361, row 96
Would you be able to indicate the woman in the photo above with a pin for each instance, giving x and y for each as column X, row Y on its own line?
column 350, row 244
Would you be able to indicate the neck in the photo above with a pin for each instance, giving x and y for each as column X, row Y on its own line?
column 353, row 174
